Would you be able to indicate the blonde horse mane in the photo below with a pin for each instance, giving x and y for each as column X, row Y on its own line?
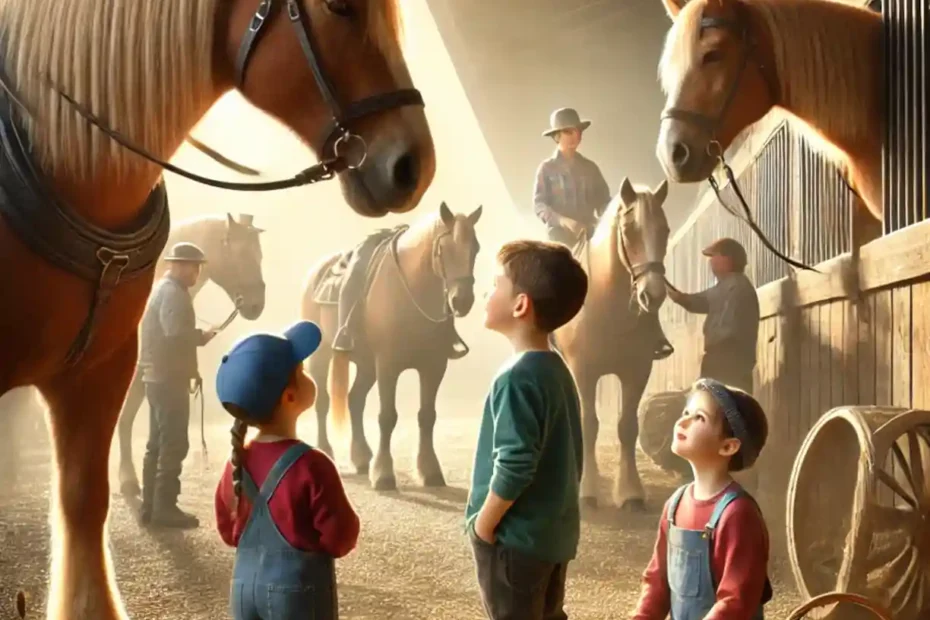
column 123, row 60
column 803, row 34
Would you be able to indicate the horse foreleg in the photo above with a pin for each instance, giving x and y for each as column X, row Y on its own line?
column 360, row 452
column 590, row 478
column 128, row 481
column 83, row 410
column 428, row 467
column 319, row 371
column 382, row 474
column 628, row 488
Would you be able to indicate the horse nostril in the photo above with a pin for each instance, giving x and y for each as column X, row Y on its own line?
column 680, row 154
column 405, row 172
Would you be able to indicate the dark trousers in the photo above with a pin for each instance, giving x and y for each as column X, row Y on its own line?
column 169, row 416
column 728, row 368
column 515, row 586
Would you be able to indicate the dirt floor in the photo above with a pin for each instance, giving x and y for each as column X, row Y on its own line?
column 413, row 560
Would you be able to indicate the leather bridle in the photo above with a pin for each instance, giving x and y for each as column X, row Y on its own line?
column 711, row 124
column 338, row 133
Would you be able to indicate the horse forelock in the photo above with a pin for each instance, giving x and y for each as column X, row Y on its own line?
column 680, row 52
column 121, row 60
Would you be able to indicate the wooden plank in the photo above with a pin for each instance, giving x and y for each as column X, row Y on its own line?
column 809, row 380
column 920, row 324
column 901, row 346
column 866, row 352
column 804, row 370
column 840, row 361
column 882, row 320
column 851, row 353
column 824, row 376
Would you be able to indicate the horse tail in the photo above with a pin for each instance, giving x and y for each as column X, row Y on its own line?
column 338, row 386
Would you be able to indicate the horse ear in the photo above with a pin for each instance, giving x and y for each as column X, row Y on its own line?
column 673, row 7
column 475, row 216
column 627, row 193
column 230, row 221
column 661, row 191
column 447, row 218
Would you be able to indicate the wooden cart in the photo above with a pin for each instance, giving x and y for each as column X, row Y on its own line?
column 859, row 510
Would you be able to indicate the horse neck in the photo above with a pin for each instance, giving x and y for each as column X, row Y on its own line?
column 827, row 58
column 415, row 262
column 608, row 278
column 145, row 72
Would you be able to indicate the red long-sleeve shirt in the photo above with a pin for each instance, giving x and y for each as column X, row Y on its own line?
column 309, row 507
column 739, row 559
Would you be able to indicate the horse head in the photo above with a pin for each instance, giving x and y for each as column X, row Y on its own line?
column 334, row 72
column 454, row 251
column 642, row 241
column 712, row 73
column 238, row 268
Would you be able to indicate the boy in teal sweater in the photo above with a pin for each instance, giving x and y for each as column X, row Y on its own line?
column 522, row 513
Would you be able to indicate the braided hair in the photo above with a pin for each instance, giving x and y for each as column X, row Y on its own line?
column 239, row 430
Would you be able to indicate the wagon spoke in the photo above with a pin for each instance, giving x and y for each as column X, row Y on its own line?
column 904, row 465
column 916, row 469
column 889, row 481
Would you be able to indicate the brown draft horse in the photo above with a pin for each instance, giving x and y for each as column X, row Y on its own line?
column 150, row 69
column 726, row 63
column 626, row 278
column 234, row 263
column 430, row 278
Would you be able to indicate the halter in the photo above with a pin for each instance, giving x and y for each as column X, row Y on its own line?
column 239, row 286
column 344, row 138
column 638, row 271
column 710, row 125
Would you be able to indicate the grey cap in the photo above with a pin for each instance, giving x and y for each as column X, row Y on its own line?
column 565, row 118
column 186, row 253
column 731, row 248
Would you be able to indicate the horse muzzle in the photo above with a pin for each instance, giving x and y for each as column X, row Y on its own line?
column 685, row 151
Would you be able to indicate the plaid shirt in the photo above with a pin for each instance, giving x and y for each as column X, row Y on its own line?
column 572, row 188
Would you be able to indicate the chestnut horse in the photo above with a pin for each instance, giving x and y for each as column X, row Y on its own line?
column 414, row 290
column 234, row 263
column 88, row 87
column 626, row 278
column 726, row 63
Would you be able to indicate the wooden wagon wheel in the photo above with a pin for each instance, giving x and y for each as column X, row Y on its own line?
column 832, row 598
column 657, row 416
column 859, row 509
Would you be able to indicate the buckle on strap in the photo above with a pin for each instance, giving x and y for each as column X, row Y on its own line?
column 113, row 265
column 264, row 8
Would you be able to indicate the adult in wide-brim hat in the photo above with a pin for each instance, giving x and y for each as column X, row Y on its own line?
column 185, row 252
column 565, row 118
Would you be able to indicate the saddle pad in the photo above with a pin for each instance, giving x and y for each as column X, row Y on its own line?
column 327, row 289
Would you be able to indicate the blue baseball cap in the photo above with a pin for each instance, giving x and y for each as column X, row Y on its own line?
column 255, row 372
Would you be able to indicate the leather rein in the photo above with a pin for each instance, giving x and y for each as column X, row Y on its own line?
column 710, row 125
column 348, row 150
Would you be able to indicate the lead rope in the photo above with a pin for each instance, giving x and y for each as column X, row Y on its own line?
column 197, row 393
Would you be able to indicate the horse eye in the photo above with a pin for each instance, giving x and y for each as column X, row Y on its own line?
column 712, row 56
column 342, row 8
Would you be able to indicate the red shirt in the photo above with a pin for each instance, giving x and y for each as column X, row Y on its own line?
column 739, row 562
column 309, row 507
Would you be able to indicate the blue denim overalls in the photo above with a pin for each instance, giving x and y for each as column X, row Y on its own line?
column 691, row 583
column 271, row 579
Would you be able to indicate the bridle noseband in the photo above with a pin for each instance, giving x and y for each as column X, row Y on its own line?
column 638, row 271
column 710, row 125
column 336, row 133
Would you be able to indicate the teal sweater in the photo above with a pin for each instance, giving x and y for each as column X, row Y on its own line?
column 530, row 451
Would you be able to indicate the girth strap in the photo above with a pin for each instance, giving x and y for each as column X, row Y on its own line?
column 57, row 234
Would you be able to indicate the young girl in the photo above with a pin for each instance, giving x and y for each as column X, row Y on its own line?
column 712, row 548
column 280, row 503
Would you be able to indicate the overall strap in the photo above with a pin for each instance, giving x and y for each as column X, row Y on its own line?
column 728, row 498
column 281, row 467
column 249, row 487
column 673, row 503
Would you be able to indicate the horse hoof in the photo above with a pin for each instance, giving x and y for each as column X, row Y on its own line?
column 589, row 502
column 387, row 483
column 636, row 506
column 130, row 488
column 434, row 480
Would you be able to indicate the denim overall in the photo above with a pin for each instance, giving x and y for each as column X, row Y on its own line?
column 271, row 579
column 691, row 582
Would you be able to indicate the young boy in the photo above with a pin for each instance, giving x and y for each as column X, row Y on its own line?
column 712, row 548
column 522, row 513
